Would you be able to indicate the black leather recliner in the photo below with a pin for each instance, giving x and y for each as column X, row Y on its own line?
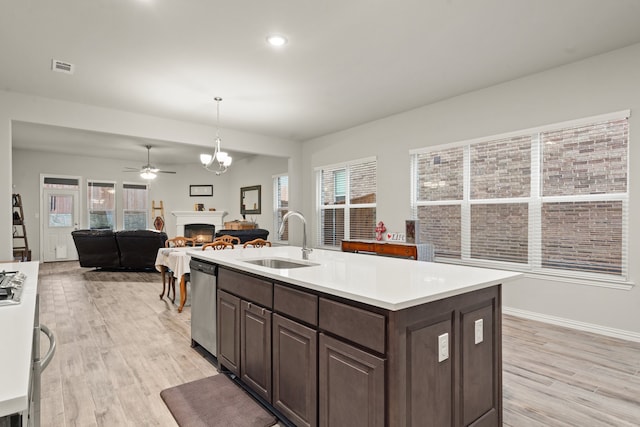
column 127, row 249
column 139, row 248
column 97, row 248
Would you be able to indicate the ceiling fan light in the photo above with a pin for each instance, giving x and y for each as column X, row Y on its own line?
column 206, row 159
column 147, row 174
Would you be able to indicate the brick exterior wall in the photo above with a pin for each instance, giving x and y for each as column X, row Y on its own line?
column 501, row 169
column 440, row 226
column 440, row 175
column 576, row 235
column 585, row 160
column 584, row 236
column 500, row 232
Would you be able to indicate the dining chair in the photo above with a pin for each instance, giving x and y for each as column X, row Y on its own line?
column 229, row 239
column 218, row 245
column 179, row 242
column 176, row 242
column 257, row 243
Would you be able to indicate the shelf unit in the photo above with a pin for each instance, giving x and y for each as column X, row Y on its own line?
column 21, row 251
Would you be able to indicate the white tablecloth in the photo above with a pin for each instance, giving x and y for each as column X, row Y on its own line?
column 176, row 259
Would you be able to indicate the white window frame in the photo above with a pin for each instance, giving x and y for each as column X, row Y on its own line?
column 347, row 202
column 124, row 210
column 115, row 199
column 535, row 201
column 276, row 206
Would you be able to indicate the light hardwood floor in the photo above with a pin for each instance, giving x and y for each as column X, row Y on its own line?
column 119, row 345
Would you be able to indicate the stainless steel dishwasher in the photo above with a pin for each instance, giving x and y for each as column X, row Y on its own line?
column 203, row 305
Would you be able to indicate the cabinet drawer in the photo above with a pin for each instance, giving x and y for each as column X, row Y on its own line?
column 358, row 246
column 398, row 250
column 354, row 324
column 246, row 287
column 297, row 304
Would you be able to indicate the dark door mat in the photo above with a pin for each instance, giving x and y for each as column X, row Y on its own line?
column 215, row 401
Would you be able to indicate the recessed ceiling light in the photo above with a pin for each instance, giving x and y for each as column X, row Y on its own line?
column 276, row 40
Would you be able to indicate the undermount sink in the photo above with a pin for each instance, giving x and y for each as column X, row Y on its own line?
column 280, row 263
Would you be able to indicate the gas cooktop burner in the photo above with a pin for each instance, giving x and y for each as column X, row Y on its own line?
column 11, row 287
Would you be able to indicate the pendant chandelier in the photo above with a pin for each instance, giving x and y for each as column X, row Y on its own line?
column 221, row 157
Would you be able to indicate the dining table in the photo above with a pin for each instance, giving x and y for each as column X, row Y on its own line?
column 176, row 261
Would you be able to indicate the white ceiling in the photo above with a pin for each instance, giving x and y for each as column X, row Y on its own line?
column 347, row 61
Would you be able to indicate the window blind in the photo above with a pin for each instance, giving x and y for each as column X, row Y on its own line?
column 553, row 200
column 101, row 204
column 135, row 205
column 346, row 202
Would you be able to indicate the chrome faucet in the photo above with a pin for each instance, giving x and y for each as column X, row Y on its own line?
column 305, row 249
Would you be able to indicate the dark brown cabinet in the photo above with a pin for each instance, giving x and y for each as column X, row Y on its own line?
column 255, row 348
column 480, row 372
column 463, row 386
column 352, row 386
column 229, row 331
column 326, row 361
column 430, row 400
column 295, row 371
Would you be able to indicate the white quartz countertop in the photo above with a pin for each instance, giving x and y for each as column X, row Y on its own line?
column 17, row 341
column 389, row 283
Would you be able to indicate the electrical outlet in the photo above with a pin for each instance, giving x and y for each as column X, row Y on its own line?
column 479, row 328
column 443, row 347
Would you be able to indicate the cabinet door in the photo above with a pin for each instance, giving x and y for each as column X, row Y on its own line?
column 295, row 371
column 229, row 331
column 352, row 388
column 255, row 348
column 480, row 373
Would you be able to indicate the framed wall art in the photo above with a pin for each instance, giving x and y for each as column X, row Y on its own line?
column 201, row 190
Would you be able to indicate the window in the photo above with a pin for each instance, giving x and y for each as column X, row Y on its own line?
column 347, row 202
column 101, row 198
column 60, row 209
column 135, row 206
column 280, row 205
column 552, row 200
column 339, row 185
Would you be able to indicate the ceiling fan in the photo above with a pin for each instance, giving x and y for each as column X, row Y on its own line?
column 147, row 171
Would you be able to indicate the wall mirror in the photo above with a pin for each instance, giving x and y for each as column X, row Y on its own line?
column 250, row 200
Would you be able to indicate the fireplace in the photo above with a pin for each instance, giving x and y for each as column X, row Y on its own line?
column 215, row 218
column 203, row 233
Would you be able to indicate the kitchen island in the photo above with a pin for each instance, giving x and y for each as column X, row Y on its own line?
column 349, row 339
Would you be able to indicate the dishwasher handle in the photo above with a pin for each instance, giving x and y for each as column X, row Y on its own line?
column 44, row 362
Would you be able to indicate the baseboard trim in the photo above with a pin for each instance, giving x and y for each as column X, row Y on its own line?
column 574, row 324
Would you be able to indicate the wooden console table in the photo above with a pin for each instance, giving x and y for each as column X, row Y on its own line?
column 420, row 252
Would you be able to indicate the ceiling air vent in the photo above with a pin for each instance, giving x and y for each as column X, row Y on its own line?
column 62, row 67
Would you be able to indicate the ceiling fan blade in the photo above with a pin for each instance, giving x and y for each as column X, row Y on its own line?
column 165, row 171
column 128, row 169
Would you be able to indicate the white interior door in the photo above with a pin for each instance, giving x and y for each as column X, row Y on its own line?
column 61, row 217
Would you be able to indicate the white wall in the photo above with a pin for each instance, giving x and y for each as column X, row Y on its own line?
column 26, row 108
column 602, row 84
column 173, row 190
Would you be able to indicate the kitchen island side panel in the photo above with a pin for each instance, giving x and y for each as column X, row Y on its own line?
column 422, row 389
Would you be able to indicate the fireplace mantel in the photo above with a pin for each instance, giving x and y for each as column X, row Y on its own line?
column 198, row 217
